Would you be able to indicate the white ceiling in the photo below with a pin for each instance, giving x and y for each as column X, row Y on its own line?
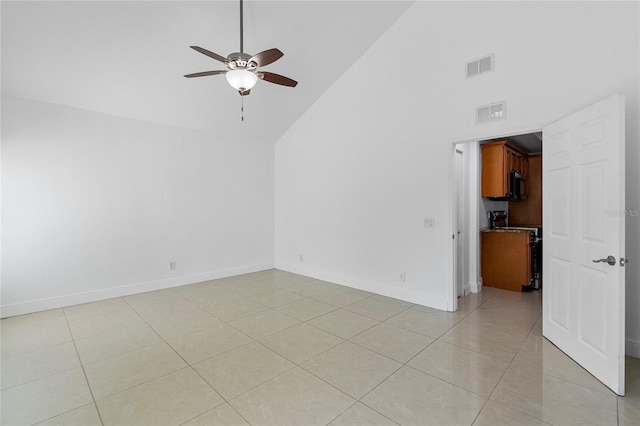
column 129, row 58
column 530, row 143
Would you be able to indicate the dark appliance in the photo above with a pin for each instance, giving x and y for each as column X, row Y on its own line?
column 516, row 190
column 515, row 185
column 536, row 260
column 497, row 219
column 535, row 244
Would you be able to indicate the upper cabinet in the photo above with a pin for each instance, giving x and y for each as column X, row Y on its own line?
column 504, row 171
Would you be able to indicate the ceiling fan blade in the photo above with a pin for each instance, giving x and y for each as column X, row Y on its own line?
column 245, row 93
column 205, row 73
column 210, row 54
column 267, row 57
column 277, row 79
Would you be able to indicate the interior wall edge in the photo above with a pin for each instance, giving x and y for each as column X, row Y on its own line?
column 370, row 286
column 39, row 305
column 632, row 348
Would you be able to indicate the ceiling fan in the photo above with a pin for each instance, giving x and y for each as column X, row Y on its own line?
column 243, row 70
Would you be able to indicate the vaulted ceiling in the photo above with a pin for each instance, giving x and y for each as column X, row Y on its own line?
column 128, row 58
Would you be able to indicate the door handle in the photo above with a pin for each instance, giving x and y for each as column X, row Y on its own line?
column 610, row 260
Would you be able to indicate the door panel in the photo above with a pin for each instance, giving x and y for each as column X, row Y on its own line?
column 558, row 220
column 559, row 274
column 593, row 191
column 593, row 315
column 583, row 181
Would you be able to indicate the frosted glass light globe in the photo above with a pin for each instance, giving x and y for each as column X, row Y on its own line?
column 241, row 79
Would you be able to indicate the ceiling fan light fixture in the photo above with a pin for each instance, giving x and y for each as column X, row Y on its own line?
column 244, row 70
column 241, row 80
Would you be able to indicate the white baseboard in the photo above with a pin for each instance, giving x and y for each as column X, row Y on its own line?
column 126, row 290
column 374, row 287
column 475, row 287
column 632, row 348
column 466, row 289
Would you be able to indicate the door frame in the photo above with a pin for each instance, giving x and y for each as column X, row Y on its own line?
column 457, row 242
column 480, row 135
column 461, row 189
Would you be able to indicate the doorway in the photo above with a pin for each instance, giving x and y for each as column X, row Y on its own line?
column 583, row 169
column 472, row 211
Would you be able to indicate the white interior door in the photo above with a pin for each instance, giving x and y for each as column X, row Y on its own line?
column 583, row 218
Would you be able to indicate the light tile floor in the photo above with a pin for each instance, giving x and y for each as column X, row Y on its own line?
column 274, row 348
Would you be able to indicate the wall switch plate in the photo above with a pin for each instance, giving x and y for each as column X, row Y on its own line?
column 172, row 265
column 403, row 276
column 429, row 223
column 301, row 258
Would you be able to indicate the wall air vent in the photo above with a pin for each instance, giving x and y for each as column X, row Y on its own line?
column 492, row 112
column 480, row 66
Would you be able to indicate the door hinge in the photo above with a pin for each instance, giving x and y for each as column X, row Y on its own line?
column 623, row 261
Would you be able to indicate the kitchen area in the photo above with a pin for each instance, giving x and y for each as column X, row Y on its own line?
column 511, row 203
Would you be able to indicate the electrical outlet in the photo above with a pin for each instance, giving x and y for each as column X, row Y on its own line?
column 172, row 265
column 301, row 258
column 429, row 223
column 403, row 276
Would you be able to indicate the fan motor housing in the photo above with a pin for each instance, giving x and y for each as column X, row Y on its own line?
column 240, row 60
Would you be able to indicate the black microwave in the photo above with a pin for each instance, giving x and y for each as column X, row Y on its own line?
column 516, row 189
column 515, row 185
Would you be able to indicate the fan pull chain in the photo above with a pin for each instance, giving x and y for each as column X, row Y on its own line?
column 241, row 108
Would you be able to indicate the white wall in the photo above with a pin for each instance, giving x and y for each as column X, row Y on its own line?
column 359, row 172
column 96, row 206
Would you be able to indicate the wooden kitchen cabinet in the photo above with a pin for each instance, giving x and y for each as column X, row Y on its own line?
column 529, row 211
column 498, row 160
column 505, row 259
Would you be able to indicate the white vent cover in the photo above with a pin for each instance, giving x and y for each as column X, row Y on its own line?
column 492, row 112
column 480, row 66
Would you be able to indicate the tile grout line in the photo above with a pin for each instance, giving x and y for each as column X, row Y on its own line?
column 299, row 365
column 360, row 400
column 505, row 372
column 67, row 412
column 188, row 365
column 84, row 372
column 274, row 308
column 294, row 364
column 406, row 364
column 460, row 321
column 446, row 331
column 357, row 401
column 215, row 408
column 254, row 341
column 40, row 377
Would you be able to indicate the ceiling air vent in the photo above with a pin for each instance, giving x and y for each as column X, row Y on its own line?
column 480, row 66
column 492, row 112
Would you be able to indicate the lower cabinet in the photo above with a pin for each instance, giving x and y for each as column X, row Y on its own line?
column 505, row 259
